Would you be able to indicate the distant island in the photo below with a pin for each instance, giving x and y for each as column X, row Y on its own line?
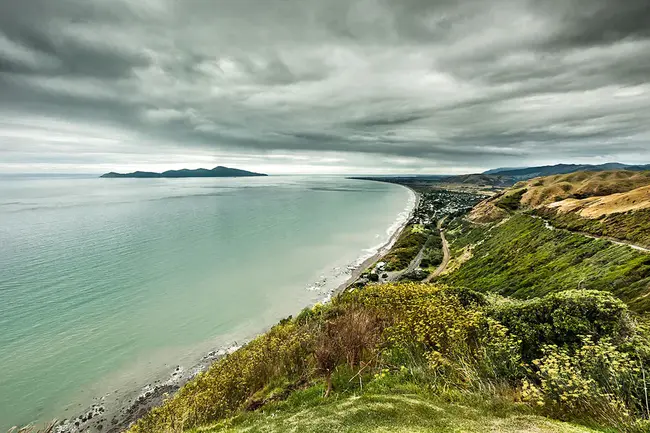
column 219, row 171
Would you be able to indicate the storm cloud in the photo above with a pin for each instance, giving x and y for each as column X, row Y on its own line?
column 410, row 85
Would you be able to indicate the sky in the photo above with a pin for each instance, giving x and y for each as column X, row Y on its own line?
column 322, row 86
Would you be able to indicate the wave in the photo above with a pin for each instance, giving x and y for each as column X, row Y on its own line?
column 342, row 275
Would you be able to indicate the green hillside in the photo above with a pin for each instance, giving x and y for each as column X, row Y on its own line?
column 523, row 258
column 421, row 357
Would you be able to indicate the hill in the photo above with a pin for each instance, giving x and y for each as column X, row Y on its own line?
column 421, row 357
column 553, row 189
column 613, row 204
column 219, row 171
column 481, row 180
column 548, row 170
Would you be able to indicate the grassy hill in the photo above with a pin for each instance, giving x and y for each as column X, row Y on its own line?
column 580, row 185
column 549, row 170
column 553, row 189
column 611, row 203
column 523, row 258
column 420, row 357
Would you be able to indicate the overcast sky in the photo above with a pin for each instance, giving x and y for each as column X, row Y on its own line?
column 429, row 86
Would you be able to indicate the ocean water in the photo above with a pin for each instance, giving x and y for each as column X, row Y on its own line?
column 109, row 284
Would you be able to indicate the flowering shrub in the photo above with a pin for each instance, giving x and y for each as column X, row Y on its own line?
column 225, row 387
column 596, row 381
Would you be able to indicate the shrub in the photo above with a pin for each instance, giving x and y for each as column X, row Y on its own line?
column 416, row 275
column 511, row 201
column 577, row 352
column 563, row 319
column 597, row 381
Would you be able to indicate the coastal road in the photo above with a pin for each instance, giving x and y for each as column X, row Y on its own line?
column 445, row 252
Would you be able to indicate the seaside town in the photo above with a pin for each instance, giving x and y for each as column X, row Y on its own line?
column 421, row 252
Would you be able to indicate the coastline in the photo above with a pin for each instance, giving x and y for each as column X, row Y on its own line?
column 96, row 418
column 383, row 250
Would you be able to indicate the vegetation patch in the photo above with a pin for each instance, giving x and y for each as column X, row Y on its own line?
column 524, row 259
column 391, row 353
column 406, row 248
column 511, row 201
column 433, row 255
column 633, row 226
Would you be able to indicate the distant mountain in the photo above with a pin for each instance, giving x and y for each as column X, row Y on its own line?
column 501, row 169
column 482, row 179
column 200, row 172
column 549, row 170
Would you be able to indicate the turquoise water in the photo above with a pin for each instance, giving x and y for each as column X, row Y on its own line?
column 108, row 284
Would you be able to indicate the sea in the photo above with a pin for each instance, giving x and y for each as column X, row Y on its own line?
column 110, row 285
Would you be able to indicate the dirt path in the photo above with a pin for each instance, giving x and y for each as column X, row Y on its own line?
column 445, row 252
column 549, row 226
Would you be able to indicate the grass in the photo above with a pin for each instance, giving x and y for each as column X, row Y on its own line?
column 402, row 409
column 523, row 259
column 407, row 246
column 633, row 226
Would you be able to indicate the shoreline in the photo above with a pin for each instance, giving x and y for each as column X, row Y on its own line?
column 383, row 250
column 96, row 418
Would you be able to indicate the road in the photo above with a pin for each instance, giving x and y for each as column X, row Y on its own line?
column 445, row 252
column 615, row 241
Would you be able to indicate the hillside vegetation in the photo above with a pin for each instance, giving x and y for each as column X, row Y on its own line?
column 407, row 246
column 523, row 258
column 407, row 351
column 611, row 203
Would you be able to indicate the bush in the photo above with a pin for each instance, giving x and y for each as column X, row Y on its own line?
column 577, row 354
column 511, row 201
column 563, row 319
column 597, row 381
column 416, row 275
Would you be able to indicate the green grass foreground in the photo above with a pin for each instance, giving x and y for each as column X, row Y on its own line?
column 389, row 409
